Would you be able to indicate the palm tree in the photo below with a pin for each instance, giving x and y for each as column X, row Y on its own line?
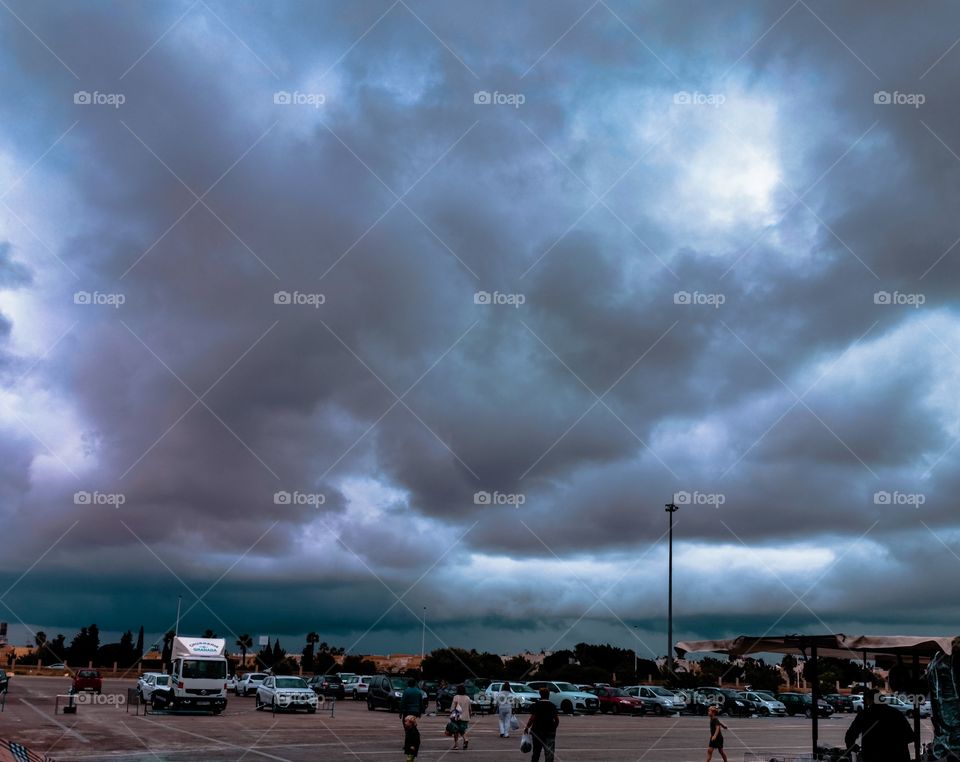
column 41, row 640
column 244, row 641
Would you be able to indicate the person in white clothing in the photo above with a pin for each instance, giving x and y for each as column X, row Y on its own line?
column 460, row 716
column 505, row 709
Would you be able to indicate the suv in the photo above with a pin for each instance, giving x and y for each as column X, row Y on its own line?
column 802, row 703
column 567, row 698
column 329, row 686
column 386, row 690
column 87, row 680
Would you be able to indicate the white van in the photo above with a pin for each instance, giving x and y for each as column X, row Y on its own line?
column 198, row 676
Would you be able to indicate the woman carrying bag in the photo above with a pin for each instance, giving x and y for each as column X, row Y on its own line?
column 460, row 717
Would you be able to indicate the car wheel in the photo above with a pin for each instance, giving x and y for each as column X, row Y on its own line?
column 807, row 713
column 354, row 695
column 764, row 712
column 311, row 710
column 616, row 709
column 659, row 711
column 273, row 706
column 256, row 702
column 566, row 707
column 370, row 705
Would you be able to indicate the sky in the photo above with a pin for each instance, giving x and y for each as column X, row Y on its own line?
column 405, row 319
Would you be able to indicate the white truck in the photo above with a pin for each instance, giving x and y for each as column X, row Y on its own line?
column 198, row 676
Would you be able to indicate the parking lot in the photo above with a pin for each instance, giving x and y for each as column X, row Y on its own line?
column 108, row 732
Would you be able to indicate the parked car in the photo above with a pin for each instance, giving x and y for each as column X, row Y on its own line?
column 329, row 686
column 249, row 683
column 151, row 683
column 4, row 681
column 618, row 701
column 734, row 704
column 231, row 684
column 429, row 687
column 59, row 667
column 802, row 703
column 567, row 698
column 839, row 702
column 523, row 697
column 358, row 689
column 445, row 698
column 657, row 699
column 767, row 705
column 588, row 689
column 891, row 699
column 857, row 699
column 385, row 691
column 282, row 692
column 87, row 680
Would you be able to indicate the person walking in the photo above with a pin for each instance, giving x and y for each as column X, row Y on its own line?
column 885, row 732
column 411, row 701
column 411, row 737
column 505, row 709
column 716, row 736
column 542, row 725
column 460, row 716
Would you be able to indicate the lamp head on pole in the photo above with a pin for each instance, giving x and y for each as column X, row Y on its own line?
column 671, row 507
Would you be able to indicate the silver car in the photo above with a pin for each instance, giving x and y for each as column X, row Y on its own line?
column 767, row 704
column 657, row 699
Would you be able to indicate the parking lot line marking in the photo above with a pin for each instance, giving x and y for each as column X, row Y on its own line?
column 226, row 744
column 55, row 721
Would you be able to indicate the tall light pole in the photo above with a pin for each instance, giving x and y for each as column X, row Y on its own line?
column 176, row 629
column 670, row 508
column 423, row 637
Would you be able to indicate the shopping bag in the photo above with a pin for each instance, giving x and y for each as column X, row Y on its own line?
column 514, row 722
column 526, row 743
column 451, row 728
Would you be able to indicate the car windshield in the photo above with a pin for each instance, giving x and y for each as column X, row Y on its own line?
column 201, row 669
column 567, row 687
column 658, row 691
column 616, row 692
column 764, row 696
column 256, row 676
column 290, row 682
column 87, row 673
column 398, row 683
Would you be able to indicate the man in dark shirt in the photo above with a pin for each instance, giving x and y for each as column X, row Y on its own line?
column 886, row 733
column 543, row 726
column 411, row 700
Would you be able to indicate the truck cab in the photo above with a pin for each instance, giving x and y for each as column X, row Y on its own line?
column 198, row 675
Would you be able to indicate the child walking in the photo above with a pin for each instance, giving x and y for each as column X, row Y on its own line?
column 716, row 736
column 411, row 737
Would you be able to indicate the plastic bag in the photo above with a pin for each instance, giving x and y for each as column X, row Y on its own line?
column 526, row 743
column 514, row 722
column 451, row 728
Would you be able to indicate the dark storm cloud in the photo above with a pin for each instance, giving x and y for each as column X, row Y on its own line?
column 600, row 200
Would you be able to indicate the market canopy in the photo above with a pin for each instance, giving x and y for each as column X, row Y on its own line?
column 838, row 645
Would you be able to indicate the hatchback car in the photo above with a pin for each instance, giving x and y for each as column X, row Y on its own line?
column 657, row 699
column 802, row 703
column 282, row 692
column 839, row 702
column 765, row 702
column 87, row 680
column 249, row 683
column 618, row 701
